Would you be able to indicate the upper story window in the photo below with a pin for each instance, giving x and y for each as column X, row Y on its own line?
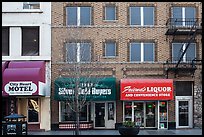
column 110, row 49
column 30, row 41
column 78, row 52
column 142, row 16
column 183, row 16
column 5, row 41
column 31, row 5
column 78, row 16
column 178, row 48
column 141, row 52
column 110, row 13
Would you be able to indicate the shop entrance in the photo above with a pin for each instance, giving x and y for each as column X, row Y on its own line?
column 99, row 114
column 150, row 114
column 184, row 112
column 105, row 116
column 142, row 113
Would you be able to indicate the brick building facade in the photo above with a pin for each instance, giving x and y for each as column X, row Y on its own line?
column 123, row 31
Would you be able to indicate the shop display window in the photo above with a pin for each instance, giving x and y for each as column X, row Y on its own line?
column 110, row 111
column 67, row 114
column 128, row 111
column 33, row 110
column 163, row 114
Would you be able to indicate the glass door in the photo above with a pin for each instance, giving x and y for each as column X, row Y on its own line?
column 150, row 114
column 99, row 114
column 184, row 112
column 139, row 113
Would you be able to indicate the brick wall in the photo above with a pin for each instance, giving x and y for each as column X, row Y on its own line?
column 123, row 34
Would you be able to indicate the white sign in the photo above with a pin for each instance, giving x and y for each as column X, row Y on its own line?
column 20, row 88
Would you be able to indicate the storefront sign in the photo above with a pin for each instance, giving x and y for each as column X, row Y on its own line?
column 20, row 88
column 146, row 89
column 91, row 89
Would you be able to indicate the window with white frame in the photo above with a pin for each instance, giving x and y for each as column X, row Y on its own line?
column 110, row 49
column 5, row 41
column 78, row 16
column 78, row 52
column 30, row 41
column 31, row 5
column 141, row 16
column 183, row 16
column 110, row 12
column 33, row 110
column 178, row 49
column 141, row 52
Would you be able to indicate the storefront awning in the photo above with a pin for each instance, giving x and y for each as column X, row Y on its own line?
column 146, row 89
column 24, row 78
column 90, row 89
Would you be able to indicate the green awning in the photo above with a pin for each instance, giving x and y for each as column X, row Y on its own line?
column 91, row 89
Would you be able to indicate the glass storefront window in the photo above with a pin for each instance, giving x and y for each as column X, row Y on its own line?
column 128, row 111
column 110, row 111
column 163, row 114
column 67, row 114
column 33, row 110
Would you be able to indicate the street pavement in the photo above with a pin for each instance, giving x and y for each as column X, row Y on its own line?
column 194, row 131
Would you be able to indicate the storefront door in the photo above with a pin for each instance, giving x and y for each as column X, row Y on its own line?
column 184, row 112
column 150, row 114
column 99, row 114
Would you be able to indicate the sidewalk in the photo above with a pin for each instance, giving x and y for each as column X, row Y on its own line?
column 195, row 131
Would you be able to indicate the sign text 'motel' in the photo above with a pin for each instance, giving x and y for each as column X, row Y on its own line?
column 20, row 88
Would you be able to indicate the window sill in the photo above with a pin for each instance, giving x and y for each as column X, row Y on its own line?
column 110, row 21
column 109, row 57
column 24, row 11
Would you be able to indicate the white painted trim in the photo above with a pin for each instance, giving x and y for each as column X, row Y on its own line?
column 78, row 16
column 60, row 111
column 183, row 16
column 142, row 15
column 142, row 51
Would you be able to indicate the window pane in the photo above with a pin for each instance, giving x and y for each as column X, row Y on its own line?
column 184, row 88
column 85, row 52
column 176, row 51
column 110, row 49
column 30, row 37
column 183, row 113
column 148, row 52
column 33, row 110
column 71, row 15
column 110, row 13
column 85, row 16
column 148, row 15
column 135, row 16
column 5, row 41
column 190, row 53
column 71, row 49
column 177, row 15
column 189, row 16
column 128, row 111
column 135, row 52
column 189, row 12
column 31, row 5
column 69, row 115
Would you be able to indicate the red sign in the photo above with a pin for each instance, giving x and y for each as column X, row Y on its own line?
column 146, row 89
